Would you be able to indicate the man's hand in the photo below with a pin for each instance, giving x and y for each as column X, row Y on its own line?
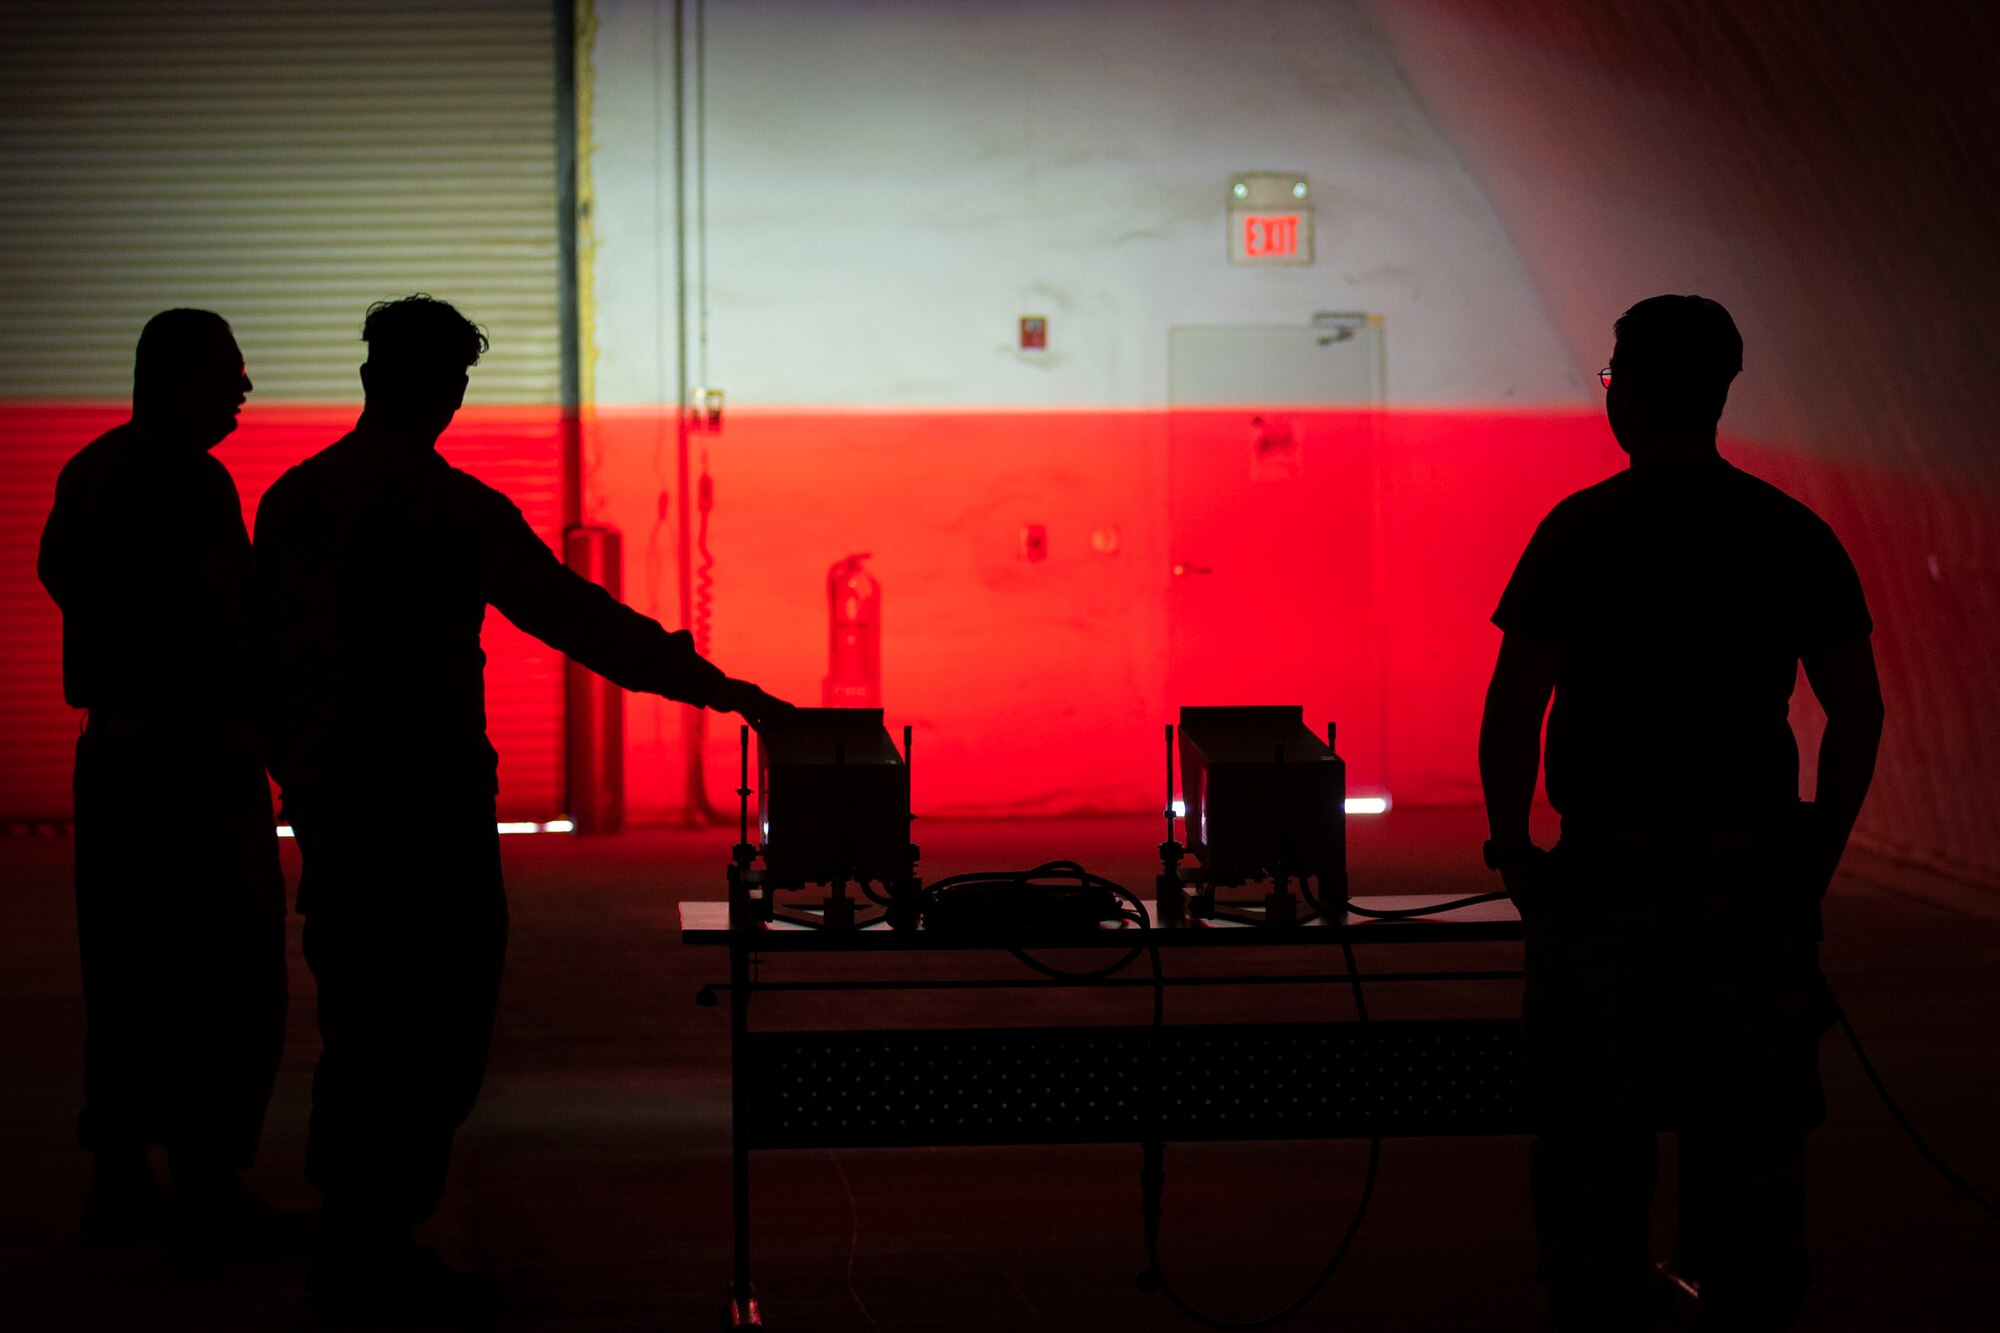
column 1523, row 879
column 1815, row 853
column 752, row 704
column 1521, row 866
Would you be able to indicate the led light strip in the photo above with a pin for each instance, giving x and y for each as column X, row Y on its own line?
column 1353, row 805
column 518, row 826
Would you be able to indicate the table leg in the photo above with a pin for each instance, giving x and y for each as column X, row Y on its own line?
column 742, row 1311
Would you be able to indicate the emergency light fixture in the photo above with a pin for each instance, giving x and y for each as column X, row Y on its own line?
column 1270, row 219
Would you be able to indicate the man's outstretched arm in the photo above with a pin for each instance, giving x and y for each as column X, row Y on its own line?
column 570, row 613
column 1510, row 746
column 1847, row 687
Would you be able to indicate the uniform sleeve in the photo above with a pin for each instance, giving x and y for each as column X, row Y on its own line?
column 266, row 562
column 1833, row 610
column 75, row 562
column 570, row 613
column 1540, row 601
column 57, row 564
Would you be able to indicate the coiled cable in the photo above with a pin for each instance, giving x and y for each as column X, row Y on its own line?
column 704, row 570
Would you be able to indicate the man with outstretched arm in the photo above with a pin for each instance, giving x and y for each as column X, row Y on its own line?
column 375, row 563
column 1673, row 931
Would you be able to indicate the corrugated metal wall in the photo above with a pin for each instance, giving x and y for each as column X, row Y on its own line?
column 284, row 164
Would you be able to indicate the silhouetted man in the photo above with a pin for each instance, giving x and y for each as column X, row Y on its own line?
column 1673, row 930
column 376, row 561
column 179, row 896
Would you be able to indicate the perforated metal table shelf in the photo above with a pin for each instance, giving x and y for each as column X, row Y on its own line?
column 1040, row 1085
column 708, row 923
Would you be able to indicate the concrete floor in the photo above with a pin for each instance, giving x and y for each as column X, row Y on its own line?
column 593, row 1175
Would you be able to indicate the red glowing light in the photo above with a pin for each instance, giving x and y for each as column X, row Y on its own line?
column 1270, row 234
column 1036, row 686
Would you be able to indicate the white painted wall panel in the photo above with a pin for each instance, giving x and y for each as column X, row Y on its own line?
column 892, row 185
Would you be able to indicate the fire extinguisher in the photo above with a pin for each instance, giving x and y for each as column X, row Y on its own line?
column 854, row 637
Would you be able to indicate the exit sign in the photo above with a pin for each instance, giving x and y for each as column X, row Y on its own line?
column 1270, row 235
column 1270, row 219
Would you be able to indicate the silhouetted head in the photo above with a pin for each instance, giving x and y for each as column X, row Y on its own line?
column 1671, row 368
column 188, row 380
column 419, row 349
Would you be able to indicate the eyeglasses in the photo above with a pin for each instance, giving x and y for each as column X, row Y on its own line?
column 1604, row 377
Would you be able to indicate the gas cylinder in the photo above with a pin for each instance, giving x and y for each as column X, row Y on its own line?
column 596, row 707
column 854, row 637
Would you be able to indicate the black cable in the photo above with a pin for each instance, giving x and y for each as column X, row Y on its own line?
column 1153, row 1162
column 1924, row 1149
column 1896, row 1113
column 1152, row 1172
column 1152, row 1184
column 1403, row 913
column 1084, row 878
column 1055, row 973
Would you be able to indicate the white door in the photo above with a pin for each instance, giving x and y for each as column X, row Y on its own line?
column 1273, row 522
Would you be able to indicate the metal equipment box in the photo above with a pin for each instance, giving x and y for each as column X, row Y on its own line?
column 833, row 798
column 1263, row 795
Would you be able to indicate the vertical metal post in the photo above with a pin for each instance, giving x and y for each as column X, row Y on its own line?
column 568, row 327
column 569, row 390
column 1278, row 868
column 743, row 788
column 1169, row 903
column 838, row 914
column 694, row 722
column 746, row 916
column 743, row 1296
column 1280, row 909
column 1333, row 882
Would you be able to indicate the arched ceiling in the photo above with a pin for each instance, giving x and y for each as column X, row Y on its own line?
column 1826, row 168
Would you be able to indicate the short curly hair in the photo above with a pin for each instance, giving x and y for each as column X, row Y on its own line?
column 1688, row 348
column 421, row 330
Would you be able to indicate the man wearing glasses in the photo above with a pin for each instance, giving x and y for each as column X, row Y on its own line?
column 1673, row 930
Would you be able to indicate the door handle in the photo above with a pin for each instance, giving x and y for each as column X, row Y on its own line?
column 1182, row 569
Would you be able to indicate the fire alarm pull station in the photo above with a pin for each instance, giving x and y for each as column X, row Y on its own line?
column 705, row 408
column 1270, row 219
column 1034, row 333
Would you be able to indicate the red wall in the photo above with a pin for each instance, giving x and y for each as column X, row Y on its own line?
column 1033, row 687
column 513, row 448
column 1041, row 687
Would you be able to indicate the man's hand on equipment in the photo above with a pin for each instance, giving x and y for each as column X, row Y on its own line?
column 752, row 704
